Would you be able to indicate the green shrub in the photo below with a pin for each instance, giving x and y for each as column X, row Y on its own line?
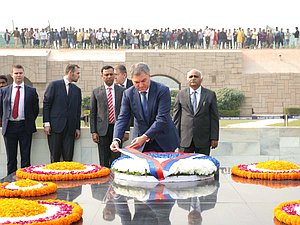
column 229, row 101
column 229, row 113
column 295, row 111
column 173, row 94
column 86, row 103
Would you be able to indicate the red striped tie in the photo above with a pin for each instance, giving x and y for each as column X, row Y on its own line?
column 111, row 114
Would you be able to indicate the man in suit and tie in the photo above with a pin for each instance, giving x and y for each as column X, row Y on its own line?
column 19, row 108
column 104, row 111
column 150, row 104
column 61, row 114
column 121, row 76
column 196, row 116
column 122, row 80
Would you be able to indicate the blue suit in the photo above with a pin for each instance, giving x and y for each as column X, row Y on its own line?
column 20, row 131
column 160, row 127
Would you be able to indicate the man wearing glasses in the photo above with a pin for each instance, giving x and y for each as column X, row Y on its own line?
column 196, row 116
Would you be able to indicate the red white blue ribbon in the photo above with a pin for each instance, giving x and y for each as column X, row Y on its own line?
column 159, row 193
column 166, row 165
column 155, row 167
column 159, row 170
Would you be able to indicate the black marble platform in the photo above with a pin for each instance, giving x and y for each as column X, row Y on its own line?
column 226, row 200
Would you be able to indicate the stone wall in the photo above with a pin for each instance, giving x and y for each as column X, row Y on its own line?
column 237, row 145
column 270, row 93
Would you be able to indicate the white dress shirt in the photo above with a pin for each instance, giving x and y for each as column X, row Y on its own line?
column 67, row 85
column 112, row 92
column 21, row 115
column 198, row 95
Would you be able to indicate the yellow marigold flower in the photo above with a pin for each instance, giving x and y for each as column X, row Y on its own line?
column 65, row 166
column 18, row 207
column 276, row 165
column 25, row 183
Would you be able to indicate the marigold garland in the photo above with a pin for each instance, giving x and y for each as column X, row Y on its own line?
column 269, row 170
column 43, row 188
column 62, row 171
column 285, row 213
column 67, row 214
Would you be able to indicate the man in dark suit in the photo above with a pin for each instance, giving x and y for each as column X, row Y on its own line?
column 61, row 114
column 122, row 80
column 196, row 116
column 19, row 108
column 150, row 103
column 103, row 116
column 121, row 77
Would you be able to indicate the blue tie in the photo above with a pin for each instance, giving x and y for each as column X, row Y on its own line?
column 195, row 102
column 145, row 105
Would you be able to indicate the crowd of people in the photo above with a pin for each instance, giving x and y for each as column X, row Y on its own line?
column 163, row 38
column 114, row 106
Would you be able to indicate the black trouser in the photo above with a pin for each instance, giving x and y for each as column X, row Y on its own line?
column 61, row 144
column 106, row 156
column 201, row 150
column 16, row 134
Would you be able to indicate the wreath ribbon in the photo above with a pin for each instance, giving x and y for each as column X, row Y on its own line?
column 159, row 170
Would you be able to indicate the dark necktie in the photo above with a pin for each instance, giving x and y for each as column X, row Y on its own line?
column 69, row 88
column 195, row 101
column 145, row 105
column 15, row 111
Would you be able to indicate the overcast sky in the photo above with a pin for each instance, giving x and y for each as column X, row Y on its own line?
column 142, row 14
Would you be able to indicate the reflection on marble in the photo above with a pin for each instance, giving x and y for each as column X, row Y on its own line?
column 159, row 191
column 268, row 183
column 233, row 202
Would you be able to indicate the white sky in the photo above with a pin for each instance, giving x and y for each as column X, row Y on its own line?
column 142, row 14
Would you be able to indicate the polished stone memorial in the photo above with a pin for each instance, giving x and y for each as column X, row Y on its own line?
column 224, row 200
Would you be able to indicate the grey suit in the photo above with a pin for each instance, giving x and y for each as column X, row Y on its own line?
column 200, row 128
column 99, row 121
